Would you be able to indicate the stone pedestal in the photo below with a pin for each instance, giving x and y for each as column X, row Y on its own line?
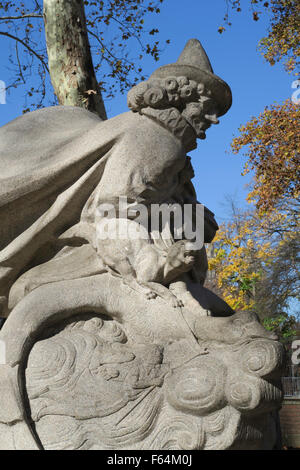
column 125, row 373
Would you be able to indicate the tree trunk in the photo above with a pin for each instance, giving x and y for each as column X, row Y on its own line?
column 70, row 61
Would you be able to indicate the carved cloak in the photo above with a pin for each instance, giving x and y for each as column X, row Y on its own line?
column 51, row 161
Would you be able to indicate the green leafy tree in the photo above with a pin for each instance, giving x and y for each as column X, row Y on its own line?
column 283, row 325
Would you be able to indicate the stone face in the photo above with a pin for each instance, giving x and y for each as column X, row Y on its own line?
column 114, row 343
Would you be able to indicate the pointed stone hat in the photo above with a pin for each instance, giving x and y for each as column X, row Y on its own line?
column 194, row 64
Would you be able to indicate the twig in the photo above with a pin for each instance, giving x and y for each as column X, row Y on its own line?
column 18, row 60
column 107, row 50
column 2, row 33
column 31, row 15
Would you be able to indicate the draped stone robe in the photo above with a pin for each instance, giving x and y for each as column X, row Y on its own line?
column 54, row 159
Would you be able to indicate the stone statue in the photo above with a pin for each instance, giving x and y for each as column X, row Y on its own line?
column 115, row 343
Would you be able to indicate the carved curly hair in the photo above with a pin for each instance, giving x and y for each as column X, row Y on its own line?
column 166, row 93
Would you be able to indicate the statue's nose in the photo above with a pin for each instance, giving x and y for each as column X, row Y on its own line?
column 212, row 118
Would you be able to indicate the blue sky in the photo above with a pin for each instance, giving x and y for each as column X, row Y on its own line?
column 235, row 58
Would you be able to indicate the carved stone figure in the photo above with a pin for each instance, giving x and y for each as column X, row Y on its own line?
column 114, row 342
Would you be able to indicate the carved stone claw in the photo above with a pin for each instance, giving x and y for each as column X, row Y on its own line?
column 176, row 303
column 151, row 295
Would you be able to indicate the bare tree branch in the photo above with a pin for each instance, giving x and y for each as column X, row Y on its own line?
column 2, row 33
column 21, row 17
column 123, row 59
column 18, row 60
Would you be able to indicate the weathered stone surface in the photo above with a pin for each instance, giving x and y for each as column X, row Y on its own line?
column 115, row 343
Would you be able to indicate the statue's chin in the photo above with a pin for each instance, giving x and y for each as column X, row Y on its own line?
column 201, row 134
column 201, row 128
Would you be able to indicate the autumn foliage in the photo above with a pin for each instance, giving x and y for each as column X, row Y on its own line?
column 255, row 259
column 282, row 41
column 272, row 143
column 256, row 255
